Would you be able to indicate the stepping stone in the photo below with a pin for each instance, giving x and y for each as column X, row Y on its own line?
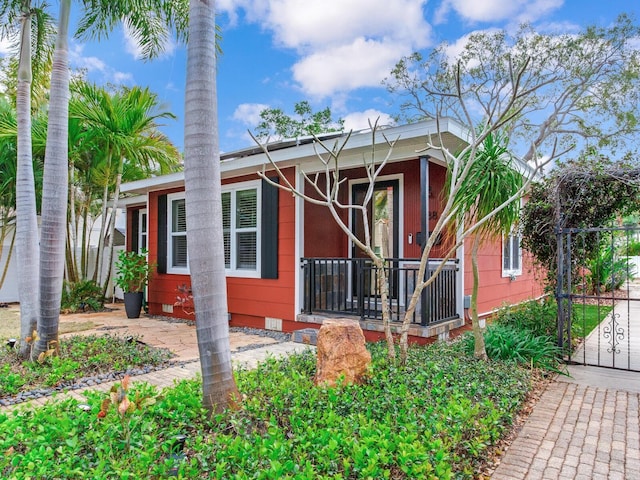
column 307, row 336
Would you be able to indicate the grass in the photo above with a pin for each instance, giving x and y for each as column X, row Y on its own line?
column 10, row 324
column 80, row 356
column 586, row 318
column 436, row 418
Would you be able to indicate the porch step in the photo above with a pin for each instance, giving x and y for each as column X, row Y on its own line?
column 307, row 336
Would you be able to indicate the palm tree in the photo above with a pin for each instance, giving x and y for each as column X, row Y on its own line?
column 125, row 126
column 492, row 181
column 150, row 22
column 204, row 210
column 27, row 249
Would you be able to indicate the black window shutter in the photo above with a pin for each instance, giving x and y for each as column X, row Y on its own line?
column 135, row 229
column 269, row 230
column 162, row 234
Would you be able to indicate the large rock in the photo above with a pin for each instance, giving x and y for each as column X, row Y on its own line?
column 341, row 352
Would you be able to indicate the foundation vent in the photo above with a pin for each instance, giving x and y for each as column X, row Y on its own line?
column 273, row 324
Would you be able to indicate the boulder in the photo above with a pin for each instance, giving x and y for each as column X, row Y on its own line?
column 341, row 353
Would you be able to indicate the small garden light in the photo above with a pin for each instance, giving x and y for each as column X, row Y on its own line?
column 11, row 343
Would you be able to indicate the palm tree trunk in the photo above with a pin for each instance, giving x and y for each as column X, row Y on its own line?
column 72, row 236
column 26, row 215
column 97, row 271
column 204, row 211
column 112, row 228
column 479, row 350
column 54, row 190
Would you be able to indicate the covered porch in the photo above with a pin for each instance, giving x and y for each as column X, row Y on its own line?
column 338, row 279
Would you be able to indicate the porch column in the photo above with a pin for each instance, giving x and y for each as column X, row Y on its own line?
column 424, row 227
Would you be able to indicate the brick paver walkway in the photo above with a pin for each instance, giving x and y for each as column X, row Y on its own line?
column 577, row 431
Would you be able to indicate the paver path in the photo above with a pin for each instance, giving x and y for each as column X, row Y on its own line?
column 585, row 427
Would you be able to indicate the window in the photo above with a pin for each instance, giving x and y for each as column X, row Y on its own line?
column 511, row 255
column 240, row 227
column 177, row 235
column 142, row 230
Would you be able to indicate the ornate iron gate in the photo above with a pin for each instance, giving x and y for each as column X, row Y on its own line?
column 598, row 294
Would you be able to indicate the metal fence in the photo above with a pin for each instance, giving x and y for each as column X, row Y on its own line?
column 350, row 286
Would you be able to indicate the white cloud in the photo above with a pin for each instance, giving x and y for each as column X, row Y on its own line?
column 496, row 10
column 249, row 113
column 90, row 64
column 96, row 69
column 360, row 120
column 363, row 63
column 122, row 77
column 341, row 47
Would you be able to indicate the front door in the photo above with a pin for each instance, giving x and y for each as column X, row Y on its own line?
column 382, row 219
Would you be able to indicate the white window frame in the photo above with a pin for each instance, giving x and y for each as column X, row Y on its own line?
column 172, row 197
column 233, row 271
column 143, row 234
column 512, row 272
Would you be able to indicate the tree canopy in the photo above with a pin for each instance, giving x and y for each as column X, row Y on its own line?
column 589, row 192
column 551, row 94
column 276, row 123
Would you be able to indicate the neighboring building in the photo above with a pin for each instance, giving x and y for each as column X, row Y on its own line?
column 289, row 264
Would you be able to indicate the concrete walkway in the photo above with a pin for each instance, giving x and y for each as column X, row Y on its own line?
column 615, row 342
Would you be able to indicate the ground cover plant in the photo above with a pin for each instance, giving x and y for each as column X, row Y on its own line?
column 80, row 356
column 434, row 418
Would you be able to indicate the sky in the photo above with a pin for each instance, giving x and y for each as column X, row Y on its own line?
column 333, row 53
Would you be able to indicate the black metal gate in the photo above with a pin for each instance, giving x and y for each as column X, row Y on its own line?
column 598, row 294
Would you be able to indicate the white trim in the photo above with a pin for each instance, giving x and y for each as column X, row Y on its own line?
column 141, row 234
column 298, row 300
column 229, row 188
column 460, row 275
column 235, row 187
column 511, row 272
column 401, row 236
column 172, row 197
column 383, row 178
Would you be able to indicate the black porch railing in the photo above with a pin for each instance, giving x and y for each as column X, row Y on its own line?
column 349, row 286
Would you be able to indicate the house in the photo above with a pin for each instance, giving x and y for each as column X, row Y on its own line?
column 289, row 265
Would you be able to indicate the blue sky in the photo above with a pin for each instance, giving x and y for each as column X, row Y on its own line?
column 330, row 52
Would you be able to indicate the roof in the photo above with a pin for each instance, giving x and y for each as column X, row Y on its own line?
column 411, row 142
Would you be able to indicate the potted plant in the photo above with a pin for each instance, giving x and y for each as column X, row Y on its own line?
column 133, row 274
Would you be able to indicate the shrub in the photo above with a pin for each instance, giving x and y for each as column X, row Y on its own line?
column 536, row 316
column 80, row 296
column 80, row 356
column 433, row 419
column 633, row 249
column 505, row 342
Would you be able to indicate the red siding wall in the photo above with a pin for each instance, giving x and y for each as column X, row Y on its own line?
column 250, row 300
column 323, row 238
column 495, row 290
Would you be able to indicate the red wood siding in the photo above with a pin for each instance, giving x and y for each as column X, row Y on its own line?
column 250, row 300
column 494, row 289
column 323, row 238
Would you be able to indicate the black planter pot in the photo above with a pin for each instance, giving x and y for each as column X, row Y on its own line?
column 133, row 304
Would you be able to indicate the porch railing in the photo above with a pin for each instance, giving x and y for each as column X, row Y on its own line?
column 349, row 286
